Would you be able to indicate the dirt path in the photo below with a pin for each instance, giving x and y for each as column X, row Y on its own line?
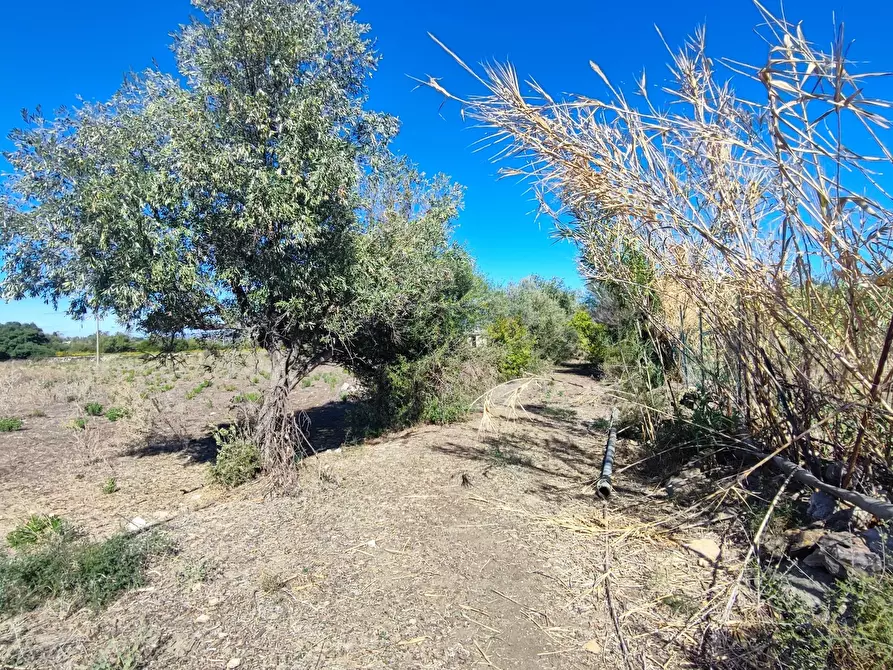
column 433, row 548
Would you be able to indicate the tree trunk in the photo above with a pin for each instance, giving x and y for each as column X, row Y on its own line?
column 277, row 433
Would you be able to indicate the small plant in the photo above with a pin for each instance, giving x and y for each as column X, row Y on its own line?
column 93, row 409
column 36, row 529
column 167, row 386
column 37, row 413
column 307, row 382
column 79, row 424
column 130, row 657
column 195, row 572
column 115, row 413
column 238, row 459
column 251, row 397
column 10, row 424
column 109, row 486
column 205, row 383
column 270, row 582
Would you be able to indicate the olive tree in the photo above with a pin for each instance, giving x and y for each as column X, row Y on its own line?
column 253, row 193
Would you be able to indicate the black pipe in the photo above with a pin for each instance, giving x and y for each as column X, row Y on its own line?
column 603, row 485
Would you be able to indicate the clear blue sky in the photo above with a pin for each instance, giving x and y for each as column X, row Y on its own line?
column 53, row 51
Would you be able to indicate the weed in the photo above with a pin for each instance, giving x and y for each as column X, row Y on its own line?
column 205, row 383
column 681, row 603
column 37, row 413
column 79, row 424
column 251, row 397
column 93, row 573
column 195, row 572
column 10, row 424
column 130, row 657
column 307, row 382
column 166, row 387
column 265, row 375
column 36, row 529
column 238, row 459
column 271, row 581
column 115, row 413
column 93, row 409
column 109, row 486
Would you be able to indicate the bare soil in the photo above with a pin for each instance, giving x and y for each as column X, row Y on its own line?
column 436, row 547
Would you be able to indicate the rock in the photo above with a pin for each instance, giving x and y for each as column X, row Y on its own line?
column 821, row 506
column 844, row 555
column 233, row 663
column 135, row 524
column 810, row 587
column 879, row 541
column 704, row 547
column 202, row 618
column 802, row 542
column 685, row 482
column 345, row 387
column 834, row 473
column 848, row 519
column 593, row 647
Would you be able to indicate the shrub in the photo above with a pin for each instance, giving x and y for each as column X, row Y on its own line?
column 93, row 409
column 37, row 528
column 115, row 413
column 94, row 573
column 79, row 424
column 593, row 337
column 238, row 458
column 436, row 388
column 251, row 397
column 109, row 486
column 10, row 424
column 516, row 346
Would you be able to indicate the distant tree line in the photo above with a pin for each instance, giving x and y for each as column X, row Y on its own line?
column 23, row 341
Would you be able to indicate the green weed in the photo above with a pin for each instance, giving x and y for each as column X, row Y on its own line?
column 205, row 383
column 115, row 413
column 109, row 486
column 93, row 409
column 36, row 529
column 10, row 424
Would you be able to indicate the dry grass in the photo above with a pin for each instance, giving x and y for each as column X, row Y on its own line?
column 765, row 220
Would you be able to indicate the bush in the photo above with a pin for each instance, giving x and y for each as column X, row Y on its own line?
column 516, row 344
column 252, row 397
column 36, row 529
column 593, row 337
column 238, row 459
column 115, row 413
column 436, row 388
column 10, row 424
column 109, row 486
column 93, row 409
column 856, row 634
column 94, row 573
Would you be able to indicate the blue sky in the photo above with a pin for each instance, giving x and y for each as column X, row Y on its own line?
column 53, row 51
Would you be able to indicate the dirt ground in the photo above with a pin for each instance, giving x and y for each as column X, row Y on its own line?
column 436, row 547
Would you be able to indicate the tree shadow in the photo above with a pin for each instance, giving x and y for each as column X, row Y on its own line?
column 328, row 425
column 581, row 368
column 197, row 449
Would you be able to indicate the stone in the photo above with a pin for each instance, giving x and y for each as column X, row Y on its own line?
column 844, row 555
column 593, row 647
column 809, row 586
column 879, row 541
column 848, row 519
column 135, row 524
column 802, row 542
column 821, row 506
column 202, row 618
column 685, row 482
column 704, row 547
column 233, row 663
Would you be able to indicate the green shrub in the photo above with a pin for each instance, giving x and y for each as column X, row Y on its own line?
column 10, row 424
column 856, row 634
column 115, row 413
column 94, row 573
column 79, row 424
column 594, row 338
column 437, row 388
column 93, row 409
column 198, row 389
column 516, row 345
column 252, row 397
column 36, row 529
column 109, row 486
column 238, row 459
